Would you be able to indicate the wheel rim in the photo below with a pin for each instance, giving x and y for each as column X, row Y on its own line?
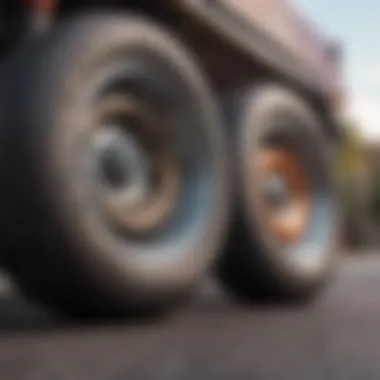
column 290, row 151
column 286, row 199
column 159, row 119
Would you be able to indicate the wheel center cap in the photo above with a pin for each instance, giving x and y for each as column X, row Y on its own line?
column 277, row 192
column 121, row 165
column 114, row 170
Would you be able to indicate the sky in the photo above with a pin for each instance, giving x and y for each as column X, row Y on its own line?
column 356, row 24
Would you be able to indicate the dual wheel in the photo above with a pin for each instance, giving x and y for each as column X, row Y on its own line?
column 117, row 195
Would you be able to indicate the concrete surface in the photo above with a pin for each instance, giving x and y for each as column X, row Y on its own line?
column 336, row 338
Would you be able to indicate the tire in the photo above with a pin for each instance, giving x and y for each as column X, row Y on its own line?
column 265, row 261
column 116, row 197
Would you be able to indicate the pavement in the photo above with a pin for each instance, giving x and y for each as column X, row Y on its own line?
column 337, row 338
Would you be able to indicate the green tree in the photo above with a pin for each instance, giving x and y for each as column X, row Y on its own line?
column 352, row 155
column 375, row 195
column 352, row 171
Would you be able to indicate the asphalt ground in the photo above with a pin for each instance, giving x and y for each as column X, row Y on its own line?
column 337, row 337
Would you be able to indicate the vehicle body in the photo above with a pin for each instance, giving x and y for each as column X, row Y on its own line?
column 264, row 38
column 251, row 58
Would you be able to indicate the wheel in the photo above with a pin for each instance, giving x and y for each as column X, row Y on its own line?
column 120, row 199
column 283, row 241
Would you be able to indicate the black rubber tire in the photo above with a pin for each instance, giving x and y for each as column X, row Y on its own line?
column 253, row 268
column 54, row 251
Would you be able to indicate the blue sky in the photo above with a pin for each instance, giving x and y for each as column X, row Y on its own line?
column 357, row 25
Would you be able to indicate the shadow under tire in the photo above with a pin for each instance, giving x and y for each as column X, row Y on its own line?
column 119, row 164
column 284, row 237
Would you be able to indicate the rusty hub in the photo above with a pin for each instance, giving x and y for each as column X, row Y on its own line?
column 286, row 201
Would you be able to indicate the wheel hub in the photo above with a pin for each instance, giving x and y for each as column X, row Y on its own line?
column 277, row 192
column 121, row 164
column 115, row 172
column 136, row 174
column 286, row 198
